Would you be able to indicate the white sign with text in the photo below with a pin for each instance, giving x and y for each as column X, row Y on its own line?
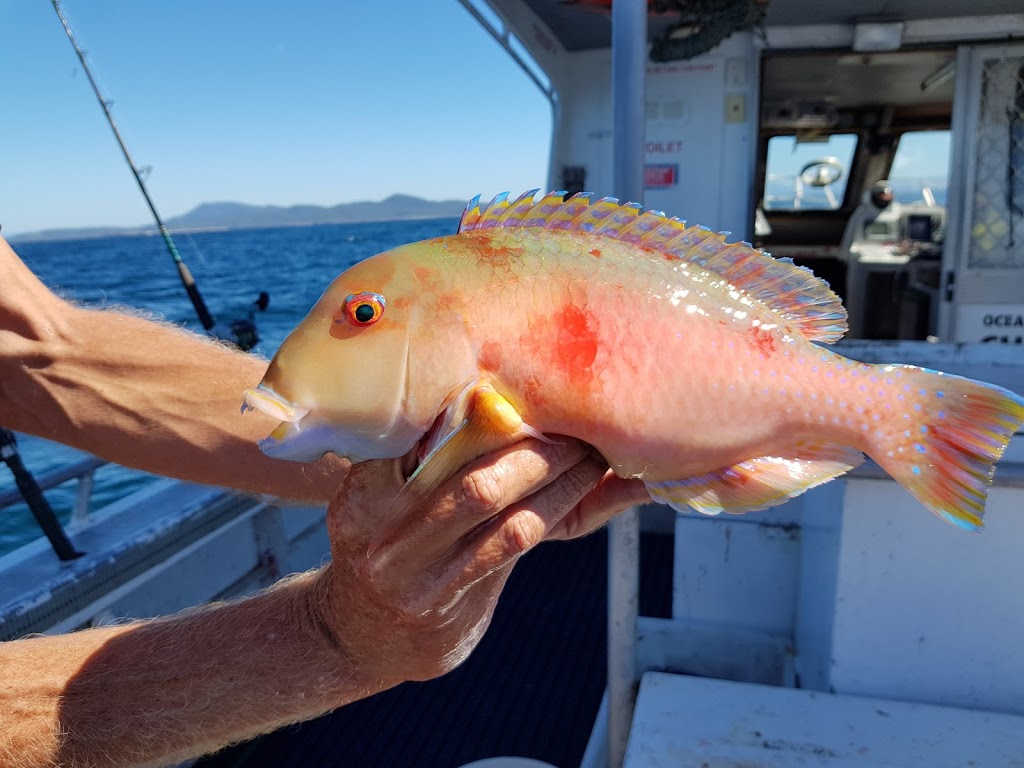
column 991, row 323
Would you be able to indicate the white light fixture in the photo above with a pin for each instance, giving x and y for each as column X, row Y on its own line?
column 877, row 36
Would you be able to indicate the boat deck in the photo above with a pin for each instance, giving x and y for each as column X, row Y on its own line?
column 532, row 688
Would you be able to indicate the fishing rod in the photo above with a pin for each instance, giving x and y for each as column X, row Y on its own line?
column 241, row 332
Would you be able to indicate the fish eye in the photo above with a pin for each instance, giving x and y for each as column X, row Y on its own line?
column 364, row 308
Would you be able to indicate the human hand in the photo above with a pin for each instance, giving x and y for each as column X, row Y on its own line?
column 417, row 606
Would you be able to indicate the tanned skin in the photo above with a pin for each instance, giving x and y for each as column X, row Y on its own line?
column 153, row 397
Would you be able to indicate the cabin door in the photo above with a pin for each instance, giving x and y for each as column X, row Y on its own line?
column 983, row 260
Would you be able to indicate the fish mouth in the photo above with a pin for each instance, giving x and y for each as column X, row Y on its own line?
column 265, row 400
column 296, row 438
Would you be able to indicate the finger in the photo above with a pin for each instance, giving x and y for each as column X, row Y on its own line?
column 612, row 495
column 523, row 525
column 478, row 493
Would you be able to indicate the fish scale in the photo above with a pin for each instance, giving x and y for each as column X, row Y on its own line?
column 697, row 364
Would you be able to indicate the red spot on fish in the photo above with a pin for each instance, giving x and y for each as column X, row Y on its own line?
column 490, row 357
column 576, row 341
column 595, row 252
column 762, row 340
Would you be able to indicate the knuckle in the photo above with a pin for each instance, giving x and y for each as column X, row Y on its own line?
column 482, row 489
column 520, row 533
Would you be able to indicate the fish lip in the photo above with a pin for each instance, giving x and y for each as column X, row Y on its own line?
column 265, row 400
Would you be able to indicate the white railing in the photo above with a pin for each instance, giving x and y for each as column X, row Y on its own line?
column 81, row 470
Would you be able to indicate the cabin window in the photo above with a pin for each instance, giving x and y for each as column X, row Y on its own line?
column 807, row 174
column 920, row 168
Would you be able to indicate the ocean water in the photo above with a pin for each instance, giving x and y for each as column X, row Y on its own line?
column 294, row 265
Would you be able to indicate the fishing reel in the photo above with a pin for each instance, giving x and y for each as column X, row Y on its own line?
column 242, row 332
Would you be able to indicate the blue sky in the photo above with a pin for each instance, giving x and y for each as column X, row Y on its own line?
column 919, row 154
column 263, row 102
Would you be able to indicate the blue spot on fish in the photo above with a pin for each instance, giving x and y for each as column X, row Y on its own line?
column 918, row 447
column 940, row 393
column 916, row 469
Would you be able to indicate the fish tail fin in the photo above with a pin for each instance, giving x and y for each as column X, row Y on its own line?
column 947, row 436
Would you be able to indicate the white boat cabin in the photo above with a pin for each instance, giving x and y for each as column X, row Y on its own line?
column 881, row 145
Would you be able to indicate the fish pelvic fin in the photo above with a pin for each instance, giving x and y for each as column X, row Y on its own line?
column 759, row 483
column 488, row 422
column 946, row 440
column 793, row 292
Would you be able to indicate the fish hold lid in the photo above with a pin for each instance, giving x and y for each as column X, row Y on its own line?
column 794, row 292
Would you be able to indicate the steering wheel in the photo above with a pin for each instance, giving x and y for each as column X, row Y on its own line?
column 821, row 172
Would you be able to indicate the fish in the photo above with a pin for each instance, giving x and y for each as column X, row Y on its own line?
column 702, row 367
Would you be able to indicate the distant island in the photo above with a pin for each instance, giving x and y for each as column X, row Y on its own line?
column 227, row 215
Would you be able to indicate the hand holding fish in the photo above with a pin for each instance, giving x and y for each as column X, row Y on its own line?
column 418, row 604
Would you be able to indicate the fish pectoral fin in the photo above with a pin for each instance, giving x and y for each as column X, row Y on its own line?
column 490, row 423
column 759, row 483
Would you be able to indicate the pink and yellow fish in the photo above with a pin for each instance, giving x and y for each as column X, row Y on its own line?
column 696, row 365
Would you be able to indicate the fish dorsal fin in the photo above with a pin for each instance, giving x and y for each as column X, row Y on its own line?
column 793, row 292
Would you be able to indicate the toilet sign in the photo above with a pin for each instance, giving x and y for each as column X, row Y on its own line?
column 991, row 323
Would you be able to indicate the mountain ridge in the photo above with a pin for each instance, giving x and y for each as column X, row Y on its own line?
column 224, row 215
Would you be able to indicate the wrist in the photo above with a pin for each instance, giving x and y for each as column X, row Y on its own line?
column 332, row 627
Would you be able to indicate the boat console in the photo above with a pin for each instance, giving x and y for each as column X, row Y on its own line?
column 893, row 258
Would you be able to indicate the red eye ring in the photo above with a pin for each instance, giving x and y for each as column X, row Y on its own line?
column 364, row 308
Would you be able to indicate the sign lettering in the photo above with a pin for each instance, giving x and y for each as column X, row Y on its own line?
column 991, row 323
column 663, row 147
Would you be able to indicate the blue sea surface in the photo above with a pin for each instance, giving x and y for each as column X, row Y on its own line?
column 294, row 265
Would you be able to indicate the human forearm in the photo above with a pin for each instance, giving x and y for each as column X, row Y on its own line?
column 167, row 690
column 140, row 393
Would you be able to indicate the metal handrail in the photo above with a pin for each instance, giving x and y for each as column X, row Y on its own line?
column 81, row 470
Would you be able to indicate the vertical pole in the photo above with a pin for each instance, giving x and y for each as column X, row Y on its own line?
column 629, row 67
column 623, row 586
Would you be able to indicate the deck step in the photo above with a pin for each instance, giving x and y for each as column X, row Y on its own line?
column 692, row 721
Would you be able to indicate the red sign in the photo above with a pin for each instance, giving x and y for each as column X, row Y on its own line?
column 661, row 175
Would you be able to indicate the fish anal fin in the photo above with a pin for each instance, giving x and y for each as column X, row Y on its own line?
column 759, row 483
column 489, row 423
column 793, row 292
